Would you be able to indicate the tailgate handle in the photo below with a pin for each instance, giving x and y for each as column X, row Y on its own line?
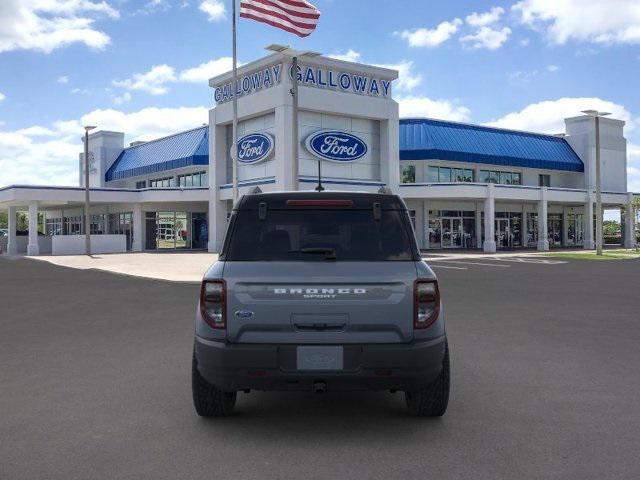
column 320, row 327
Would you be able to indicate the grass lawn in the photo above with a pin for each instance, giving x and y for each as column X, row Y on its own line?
column 618, row 254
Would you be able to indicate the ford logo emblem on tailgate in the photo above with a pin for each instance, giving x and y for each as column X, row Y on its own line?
column 336, row 146
column 244, row 314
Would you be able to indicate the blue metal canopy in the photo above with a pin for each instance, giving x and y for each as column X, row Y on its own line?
column 427, row 139
column 183, row 149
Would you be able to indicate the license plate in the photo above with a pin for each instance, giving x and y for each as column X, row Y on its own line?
column 320, row 358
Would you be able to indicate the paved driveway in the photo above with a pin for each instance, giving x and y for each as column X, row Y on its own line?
column 94, row 383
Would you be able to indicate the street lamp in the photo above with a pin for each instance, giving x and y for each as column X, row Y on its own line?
column 596, row 114
column 87, row 217
column 294, row 54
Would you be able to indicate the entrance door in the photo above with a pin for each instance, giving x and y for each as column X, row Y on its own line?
column 504, row 238
column 451, row 232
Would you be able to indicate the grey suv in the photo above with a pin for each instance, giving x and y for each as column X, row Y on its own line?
column 320, row 291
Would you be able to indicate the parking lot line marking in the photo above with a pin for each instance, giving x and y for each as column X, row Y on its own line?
column 531, row 260
column 445, row 266
column 456, row 262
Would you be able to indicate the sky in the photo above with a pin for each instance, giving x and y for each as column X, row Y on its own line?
column 141, row 66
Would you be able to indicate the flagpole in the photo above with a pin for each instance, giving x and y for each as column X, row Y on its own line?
column 294, row 125
column 234, row 141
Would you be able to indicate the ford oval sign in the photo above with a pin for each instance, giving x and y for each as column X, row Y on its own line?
column 255, row 148
column 336, row 146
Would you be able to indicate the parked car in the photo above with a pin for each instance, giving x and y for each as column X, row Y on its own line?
column 4, row 232
column 320, row 291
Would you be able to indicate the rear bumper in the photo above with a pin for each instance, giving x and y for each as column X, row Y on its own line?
column 233, row 367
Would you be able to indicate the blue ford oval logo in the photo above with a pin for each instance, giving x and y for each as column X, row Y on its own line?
column 336, row 146
column 255, row 147
column 244, row 314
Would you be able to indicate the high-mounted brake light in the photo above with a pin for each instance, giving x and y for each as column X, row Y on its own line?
column 213, row 299
column 320, row 203
column 426, row 303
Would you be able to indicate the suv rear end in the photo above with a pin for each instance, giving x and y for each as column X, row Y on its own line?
column 321, row 291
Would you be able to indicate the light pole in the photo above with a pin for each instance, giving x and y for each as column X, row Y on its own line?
column 87, row 217
column 596, row 114
column 295, row 145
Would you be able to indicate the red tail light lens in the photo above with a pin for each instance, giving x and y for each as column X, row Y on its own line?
column 213, row 299
column 426, row 303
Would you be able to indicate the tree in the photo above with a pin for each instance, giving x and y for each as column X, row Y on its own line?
column 3, row 220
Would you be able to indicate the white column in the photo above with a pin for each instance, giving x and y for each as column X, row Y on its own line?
column 565, row 227
column 218, row 176
column 390, row 150
column 589, row 242
column 425, row 224
column 478, row 226
column 284, row 139
column 489, row 245
column 543, row 240
column 629, row 224
column 32, row 246
column 138, row 219
column 12, row 246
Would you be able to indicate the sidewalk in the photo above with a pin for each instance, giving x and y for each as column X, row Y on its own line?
column 174, row 267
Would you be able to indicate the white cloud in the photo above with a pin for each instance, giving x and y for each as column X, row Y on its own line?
column 63, row 79
column 120, row 99
column 487, row 37
column 424, row 37
column 486, row 18
column 595, row 21
column 548, row 116
column 203, row 72
column 154, row 81
column 2, row 96
column 49, row 155
column 349, row 56
column 525, row 42
column 526, row 75
column 407, row 78
column 214, row 9
column 420, row 106
column 45, row 25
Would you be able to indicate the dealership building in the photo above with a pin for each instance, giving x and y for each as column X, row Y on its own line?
column 466, row 186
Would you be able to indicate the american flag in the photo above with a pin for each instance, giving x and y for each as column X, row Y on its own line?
column 294, row 16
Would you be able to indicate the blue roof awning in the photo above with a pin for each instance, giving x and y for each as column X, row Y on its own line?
column 427, row 139
column 183, row 149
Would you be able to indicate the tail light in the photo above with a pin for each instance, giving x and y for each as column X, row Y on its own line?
column 426, row 303
column 213, row 299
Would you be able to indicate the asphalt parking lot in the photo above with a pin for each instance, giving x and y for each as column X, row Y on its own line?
column 95, row 383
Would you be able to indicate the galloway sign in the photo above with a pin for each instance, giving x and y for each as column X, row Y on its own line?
column 248, row 84
column 255, row 147
column 331, row 79
column 336, row 146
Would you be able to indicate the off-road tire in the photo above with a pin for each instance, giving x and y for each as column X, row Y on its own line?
column 432, row 400
column 208, row 400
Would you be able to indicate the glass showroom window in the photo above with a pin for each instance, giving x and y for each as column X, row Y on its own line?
column 199, row 179
column 97, row 224
column 544, row 180
column 142, row 184
column 447, row 175
column 53, row 226
column 504, row 178
column 408, row 174
column 162, row 182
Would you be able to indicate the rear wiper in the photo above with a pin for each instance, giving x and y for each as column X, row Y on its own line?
column 329, row 253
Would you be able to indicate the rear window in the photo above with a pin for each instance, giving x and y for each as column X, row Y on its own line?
column 308, row 235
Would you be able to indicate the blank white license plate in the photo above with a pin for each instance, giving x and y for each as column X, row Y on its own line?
column 320, row 358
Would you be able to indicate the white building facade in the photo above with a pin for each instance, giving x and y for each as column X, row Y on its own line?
column 466, row 186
